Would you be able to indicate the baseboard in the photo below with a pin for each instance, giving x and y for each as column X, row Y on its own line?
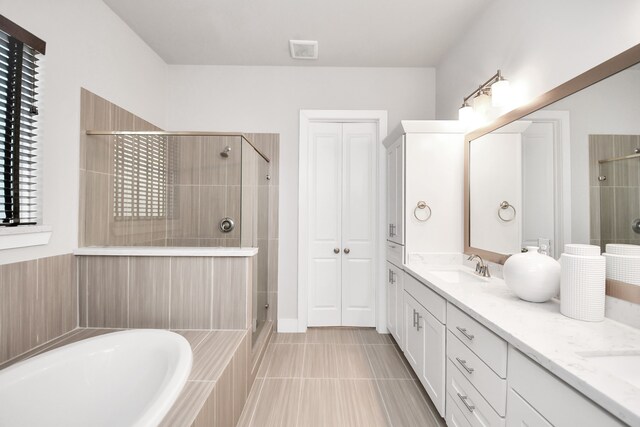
column 287, row 325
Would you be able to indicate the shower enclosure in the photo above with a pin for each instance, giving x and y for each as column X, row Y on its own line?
column 619, row 196
column 190, row 189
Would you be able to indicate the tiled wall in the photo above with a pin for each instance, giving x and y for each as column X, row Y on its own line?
column 165, row 292
column 38, row 302
column 614, row 202
column 98, row 227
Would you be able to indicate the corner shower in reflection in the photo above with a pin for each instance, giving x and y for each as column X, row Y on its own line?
column 184, row 189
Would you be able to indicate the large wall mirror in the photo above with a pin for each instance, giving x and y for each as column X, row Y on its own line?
column 563, row 169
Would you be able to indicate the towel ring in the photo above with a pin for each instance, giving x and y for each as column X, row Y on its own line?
column 422, row 205
column 503, row 207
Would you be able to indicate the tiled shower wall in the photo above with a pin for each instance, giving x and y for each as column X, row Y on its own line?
column 98, row 227
column 614, row 202
column 38, row 303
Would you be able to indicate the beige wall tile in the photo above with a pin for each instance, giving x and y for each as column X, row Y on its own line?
column 107, row 283
column 214, row 353
column 224, row 400
column 230, row 292
column 186, row 408
column 191, row 292
column 58, row 295
column 149, row 292
column 240, row 368
column 96, row 197
column 194, row 337
column 186, row 150
column 184, row 223
column 211, row 211
column 213, row 167
column 274, row 199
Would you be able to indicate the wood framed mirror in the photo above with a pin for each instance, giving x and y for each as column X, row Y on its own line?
column 584, row 187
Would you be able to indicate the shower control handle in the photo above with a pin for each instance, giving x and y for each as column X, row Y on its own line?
column 227, row 225
column 635, row 226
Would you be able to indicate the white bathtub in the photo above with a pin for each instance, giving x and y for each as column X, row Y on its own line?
column 128, row 378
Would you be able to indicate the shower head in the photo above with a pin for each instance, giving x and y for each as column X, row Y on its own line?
column 225, row 152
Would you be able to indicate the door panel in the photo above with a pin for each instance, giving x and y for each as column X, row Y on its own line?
column 325, row 224
column 359, row 223
column 433, row 373
column 414, row 344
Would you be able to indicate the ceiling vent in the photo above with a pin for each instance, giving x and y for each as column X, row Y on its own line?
column 303, row 49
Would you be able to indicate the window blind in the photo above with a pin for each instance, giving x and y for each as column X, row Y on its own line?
column 140, row 178
column 18, row 115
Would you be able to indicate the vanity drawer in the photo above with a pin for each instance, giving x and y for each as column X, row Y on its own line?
column 434, row 303
column 395, row 254
column 488, row 383
column 485, row 344
column 471, row 403
column 455, row 416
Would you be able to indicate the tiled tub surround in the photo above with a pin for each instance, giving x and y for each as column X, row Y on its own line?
column 554, row 341
column 38, row 303
column 218, row 385
column 165, row 291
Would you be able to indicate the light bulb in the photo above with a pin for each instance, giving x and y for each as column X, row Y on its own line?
column 482, row 104
column 500, row 93
column 465, row 113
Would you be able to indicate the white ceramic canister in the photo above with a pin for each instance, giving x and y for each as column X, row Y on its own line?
column 532, row 276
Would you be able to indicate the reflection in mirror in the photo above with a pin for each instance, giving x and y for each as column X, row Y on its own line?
column 569, row 172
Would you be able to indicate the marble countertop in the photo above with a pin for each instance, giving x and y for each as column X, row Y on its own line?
column 174, row 251
column 554, row 341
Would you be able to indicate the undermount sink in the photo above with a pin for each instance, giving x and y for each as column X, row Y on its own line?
column 457, row 276
column 623, row 365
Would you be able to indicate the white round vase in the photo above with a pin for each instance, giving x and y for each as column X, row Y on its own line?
column 532, row 276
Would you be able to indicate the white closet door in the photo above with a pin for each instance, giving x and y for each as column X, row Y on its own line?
column 359, row 209
column 325, row 224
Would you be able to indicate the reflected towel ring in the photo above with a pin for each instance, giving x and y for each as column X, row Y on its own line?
column 503, row 207
column 422, row 205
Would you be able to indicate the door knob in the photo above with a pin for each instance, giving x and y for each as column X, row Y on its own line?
column 336, row 250
column 347, row 250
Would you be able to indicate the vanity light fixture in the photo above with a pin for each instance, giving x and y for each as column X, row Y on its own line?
column 494, row 92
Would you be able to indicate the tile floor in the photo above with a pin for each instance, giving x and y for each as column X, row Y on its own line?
column 337, row 377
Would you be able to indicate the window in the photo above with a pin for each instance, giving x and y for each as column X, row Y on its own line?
column 19, row 54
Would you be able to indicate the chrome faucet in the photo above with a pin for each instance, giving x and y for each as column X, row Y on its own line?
column 481, row 268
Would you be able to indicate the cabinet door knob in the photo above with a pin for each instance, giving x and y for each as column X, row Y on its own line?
column 336, row 250
column 347, row 250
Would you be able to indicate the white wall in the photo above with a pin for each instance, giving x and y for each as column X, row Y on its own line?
column 537, row 44
column 268, row 99
column 87, row 46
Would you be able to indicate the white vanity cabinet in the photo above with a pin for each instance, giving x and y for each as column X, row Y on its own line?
column 538, row 398
column 395, row 191
column 476, row 370
column 395, row 302
column 425, row 338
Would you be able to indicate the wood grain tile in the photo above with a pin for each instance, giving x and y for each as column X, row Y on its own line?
column 195, row 337
column 213, row 354
column 333, row 336
column 250, row 405
column 213, row 167
column 57, row 293
column 191, row 292
column 149, row 292
column 353, row 362
column 319, row 405
column 185, row 222
column 286, row 361
column 230, row 290
column 185, row 409
column 240, row 368
column 107, row 283
column 223, row 396
column 360, row 404
column 278, row 403
column 293, row 338
column 320, row 361
column 211, row 211
column 405, row 404
column 97, row 208
column 386, row 362
column 371, row 336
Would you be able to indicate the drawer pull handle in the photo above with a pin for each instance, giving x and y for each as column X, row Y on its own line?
column 463, row 363
column 464, row 332
column 464, row 400
column 418, row 327
column 414, row 317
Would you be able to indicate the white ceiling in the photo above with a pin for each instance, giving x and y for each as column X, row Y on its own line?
column 358, row 33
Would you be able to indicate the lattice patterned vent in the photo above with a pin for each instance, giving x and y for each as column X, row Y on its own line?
column 303, row 49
